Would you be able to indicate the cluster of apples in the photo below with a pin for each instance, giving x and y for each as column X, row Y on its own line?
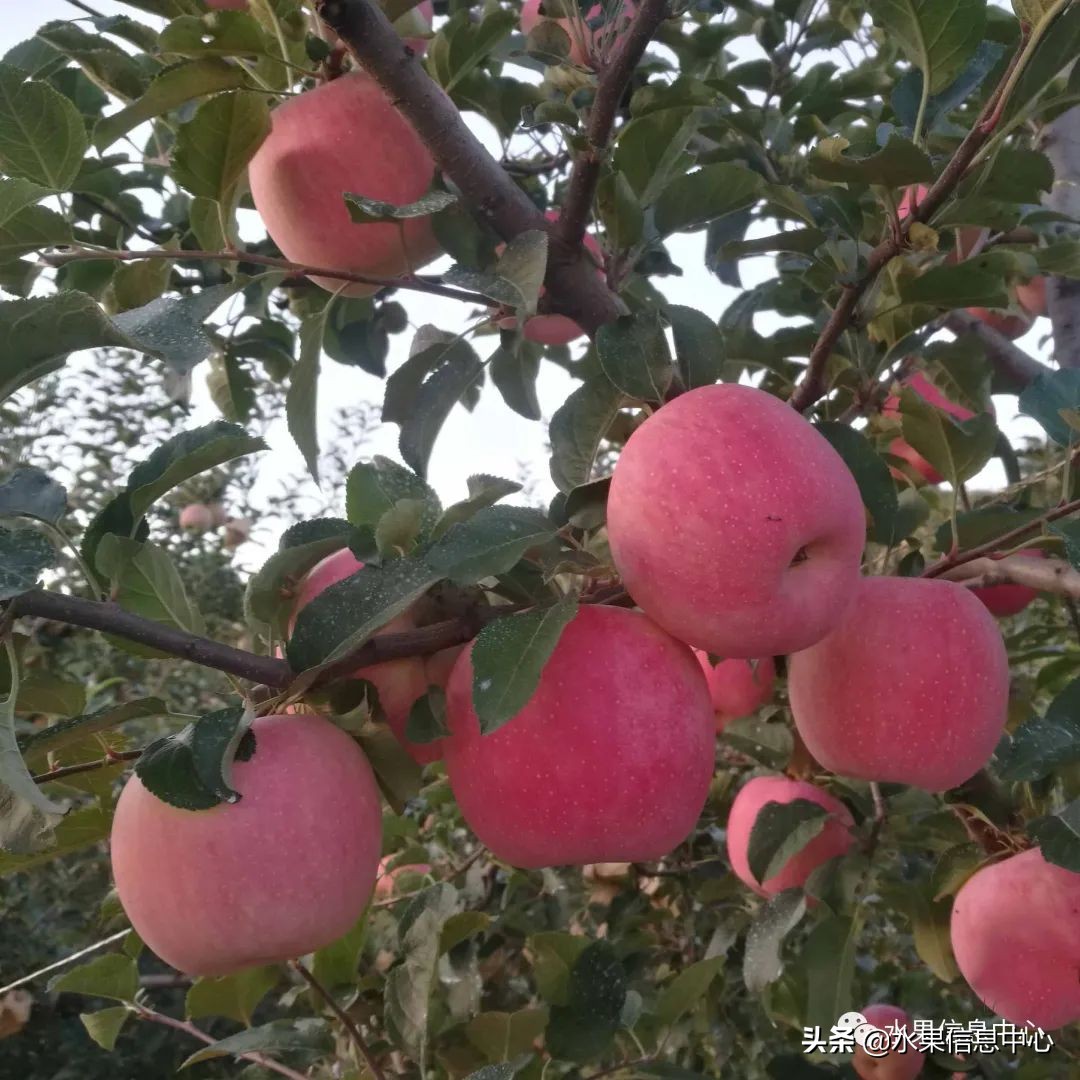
column 738, row 531
column 202, row 517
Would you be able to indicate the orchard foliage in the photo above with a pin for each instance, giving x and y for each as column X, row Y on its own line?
column 177, row 205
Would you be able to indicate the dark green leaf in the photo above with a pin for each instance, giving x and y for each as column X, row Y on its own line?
column 633, row 354
column 76, row 728
column 301, row 399
column 958, row 449
column 484, row 491
column 104, row 1025
column 578, row 427
column 584, row 1029
column 699, row 346
column 233, row 996
column 24, row 554
column 1059, row 836
column 514, row 372
column 489, row 543
column 691, row 201
column 374, row 487
column 111, row 976
column 363, row 210
column 427, row 718
column 899, row 163
column 1042, row 745
column 780, row 832
column 31, row 492
column 828, row 957
column 687, row 988
column 307, row 1034
column 871, row 474
column 1049, row 399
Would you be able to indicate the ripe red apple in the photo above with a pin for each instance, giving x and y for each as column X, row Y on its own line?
column 904, row 1062
column 555, row 329
column 911, row 687
column 286, row 870
column 1016, row 938
column 197, row 517
column 734, row 524
column 933, row 396
column 609, row 761
column 399, row 682
column 1011, row 326
column 1032, row 296
column 1009, row 599
column 738, row 687
column 343, row 136
column 385, row 883
column 583, row 40
column 833, row 840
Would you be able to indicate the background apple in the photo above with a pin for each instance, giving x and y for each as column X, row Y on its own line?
column 911, row 687
column 197, row 517
column 609, row 761
column 737, row 687
column 343, row 136
column 1032, row 296
column 903, row 1063
column 1016, row 937
column 399, row 682
column 386, row 882
column 833, row 840
column 734, row 524
column 284, row 871
column 1011, row 326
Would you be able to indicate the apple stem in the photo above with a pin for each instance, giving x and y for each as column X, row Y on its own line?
column 347, row 1021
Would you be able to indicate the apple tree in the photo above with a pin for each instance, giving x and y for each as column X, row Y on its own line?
column 760, row 733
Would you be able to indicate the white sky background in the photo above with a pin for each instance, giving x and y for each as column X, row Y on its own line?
column 491, row 439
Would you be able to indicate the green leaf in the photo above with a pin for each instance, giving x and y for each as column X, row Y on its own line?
column 1042, row 745
column 301, row 399
column 375, row 487
column 578, row 427
column 1055, row 52
column 554, row 955
column 136, row 284
column 104, row 1025
column 687, row 988
column 345, row 615
column 228, row 33
column 828, row 957
column 958, row 449
column 337, row 964
column 170, row 89
column 650, row 149
column 548, row 42
column 930, row 928
column 1060, row 259
column 780, row 832
column 458, row 370
column 937, row 36
column 633, row 354
column 191, row 769
column 489, row 543
column 586, row 505
column 397, row 774
column 409, row 985
column 523, row 264
column 33, row 228
column 79, row 829
column 584, row 1029
column 1052, row 396
column 42, row 137
column 775, row 920
column 24, row 554
column 113, row 975
column 309, row 1035
column 898, row 163
column 213, row 148
column 363, row 210
column 620, row 211
column 691, row 201
column 699, row 346
column 42, row 692
column 514, row 371
column 65, row 733
column 104, row 63
column 427, row 718
column 871, row 474
column 31, row 492
column 508, row 658
column 968, row 284
column 461, row 927
column 145, row 581
column 1059, row 836
column 499, row 1035
column 234, row 996
column 484, row 491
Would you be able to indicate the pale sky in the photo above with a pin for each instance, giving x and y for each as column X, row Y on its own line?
column 491, row 439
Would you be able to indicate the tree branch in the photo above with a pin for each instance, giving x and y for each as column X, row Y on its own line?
column 416, row 282
column 1015, row 368
column 813, row 388
column 1063, row 294
column 88, row 766
column 614, row 79
column 574, row 289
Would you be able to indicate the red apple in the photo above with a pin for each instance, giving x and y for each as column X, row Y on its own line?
column 385, row 883
column 734, row 524
column 1016, row 938
column 399, row 682
column 197, row 517
column 833, row 840
column 738, row 687
column 1032, row 296
column 1003, row 600
column 554, row 329
column 901, row 1060
column 583, row 39
column 933, row 396
column 284, row 871
column 911, row 687
column 343, row 136
column 609, row 761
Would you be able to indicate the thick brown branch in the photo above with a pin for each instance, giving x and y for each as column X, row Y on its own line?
column 614, row 78
column 813, row 387
column 415, row 282
column 1015, row 369
column 573, row 287
column 1046, row 575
